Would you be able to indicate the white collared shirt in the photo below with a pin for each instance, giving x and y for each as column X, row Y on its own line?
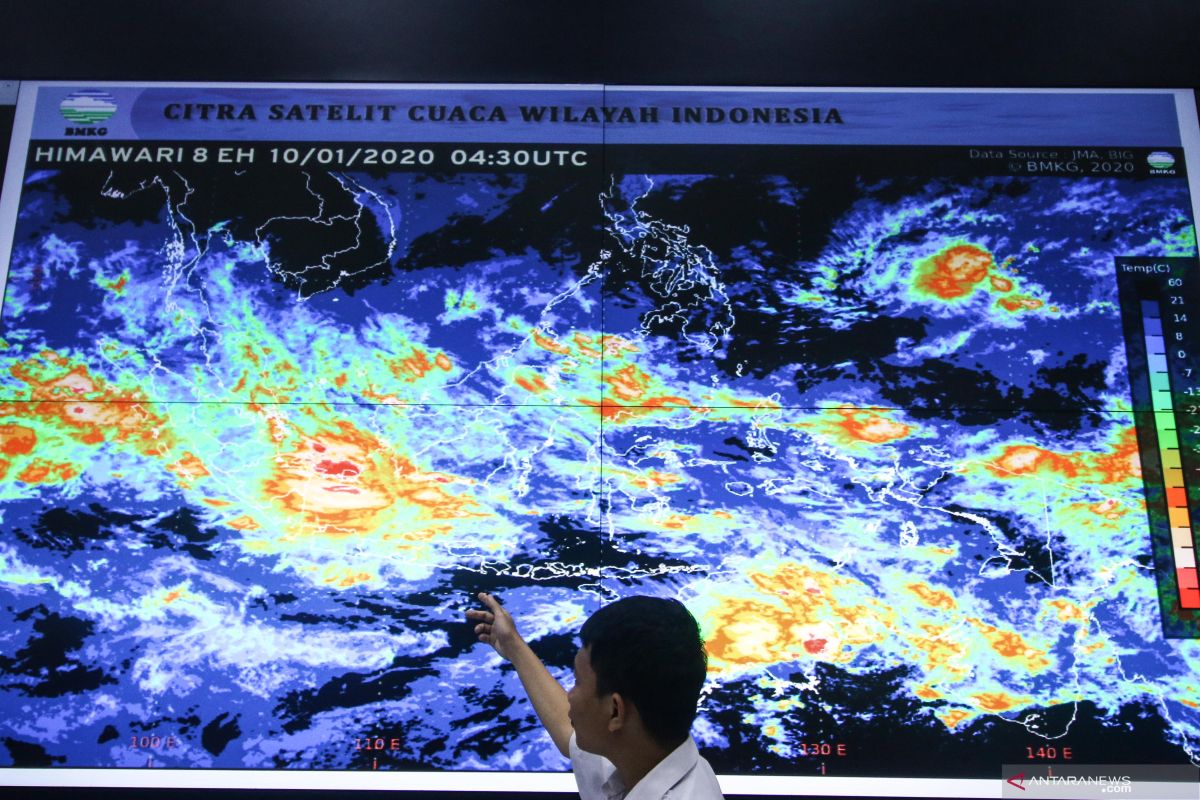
column 682, row 775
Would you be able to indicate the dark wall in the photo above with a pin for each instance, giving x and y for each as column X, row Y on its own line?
column 1150, row 43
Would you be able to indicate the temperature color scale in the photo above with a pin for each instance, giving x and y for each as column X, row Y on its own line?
column 1160, row 311
column 1183, row 550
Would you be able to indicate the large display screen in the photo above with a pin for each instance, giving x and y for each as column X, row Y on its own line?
column 897, row 391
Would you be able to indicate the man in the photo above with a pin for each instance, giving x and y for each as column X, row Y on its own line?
column 626, row 722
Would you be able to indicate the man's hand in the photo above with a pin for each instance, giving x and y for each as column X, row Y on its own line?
column 496, row 626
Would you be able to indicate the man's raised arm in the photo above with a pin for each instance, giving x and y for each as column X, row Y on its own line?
column 496, row 627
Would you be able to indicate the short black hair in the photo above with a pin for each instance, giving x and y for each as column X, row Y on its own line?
column 649, row 650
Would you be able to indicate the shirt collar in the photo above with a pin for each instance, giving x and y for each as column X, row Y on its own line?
column 614, row 787
column 666, row 773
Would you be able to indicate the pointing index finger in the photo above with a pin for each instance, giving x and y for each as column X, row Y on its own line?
column 492, row 603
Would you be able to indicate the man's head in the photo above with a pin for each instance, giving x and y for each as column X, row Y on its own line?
column 648, row 650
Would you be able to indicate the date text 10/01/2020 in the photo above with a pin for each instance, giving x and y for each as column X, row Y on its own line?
column 369, row 156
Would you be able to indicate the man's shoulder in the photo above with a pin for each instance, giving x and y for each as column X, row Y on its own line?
column 702, row 782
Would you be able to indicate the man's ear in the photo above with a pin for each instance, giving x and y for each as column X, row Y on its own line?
column 618, row 712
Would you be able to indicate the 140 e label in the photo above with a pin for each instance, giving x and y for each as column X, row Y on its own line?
column 1048, row 753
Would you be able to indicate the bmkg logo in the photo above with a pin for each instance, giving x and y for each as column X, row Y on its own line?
column 85, row 108
column 1161, row 163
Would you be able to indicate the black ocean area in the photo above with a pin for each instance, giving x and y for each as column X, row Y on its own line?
column 319, row 236
column 50, row 664
column 554, row 215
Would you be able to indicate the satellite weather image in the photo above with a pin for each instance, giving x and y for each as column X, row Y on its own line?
column 264, row 432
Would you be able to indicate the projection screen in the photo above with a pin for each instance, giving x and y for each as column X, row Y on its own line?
column 897, row 390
